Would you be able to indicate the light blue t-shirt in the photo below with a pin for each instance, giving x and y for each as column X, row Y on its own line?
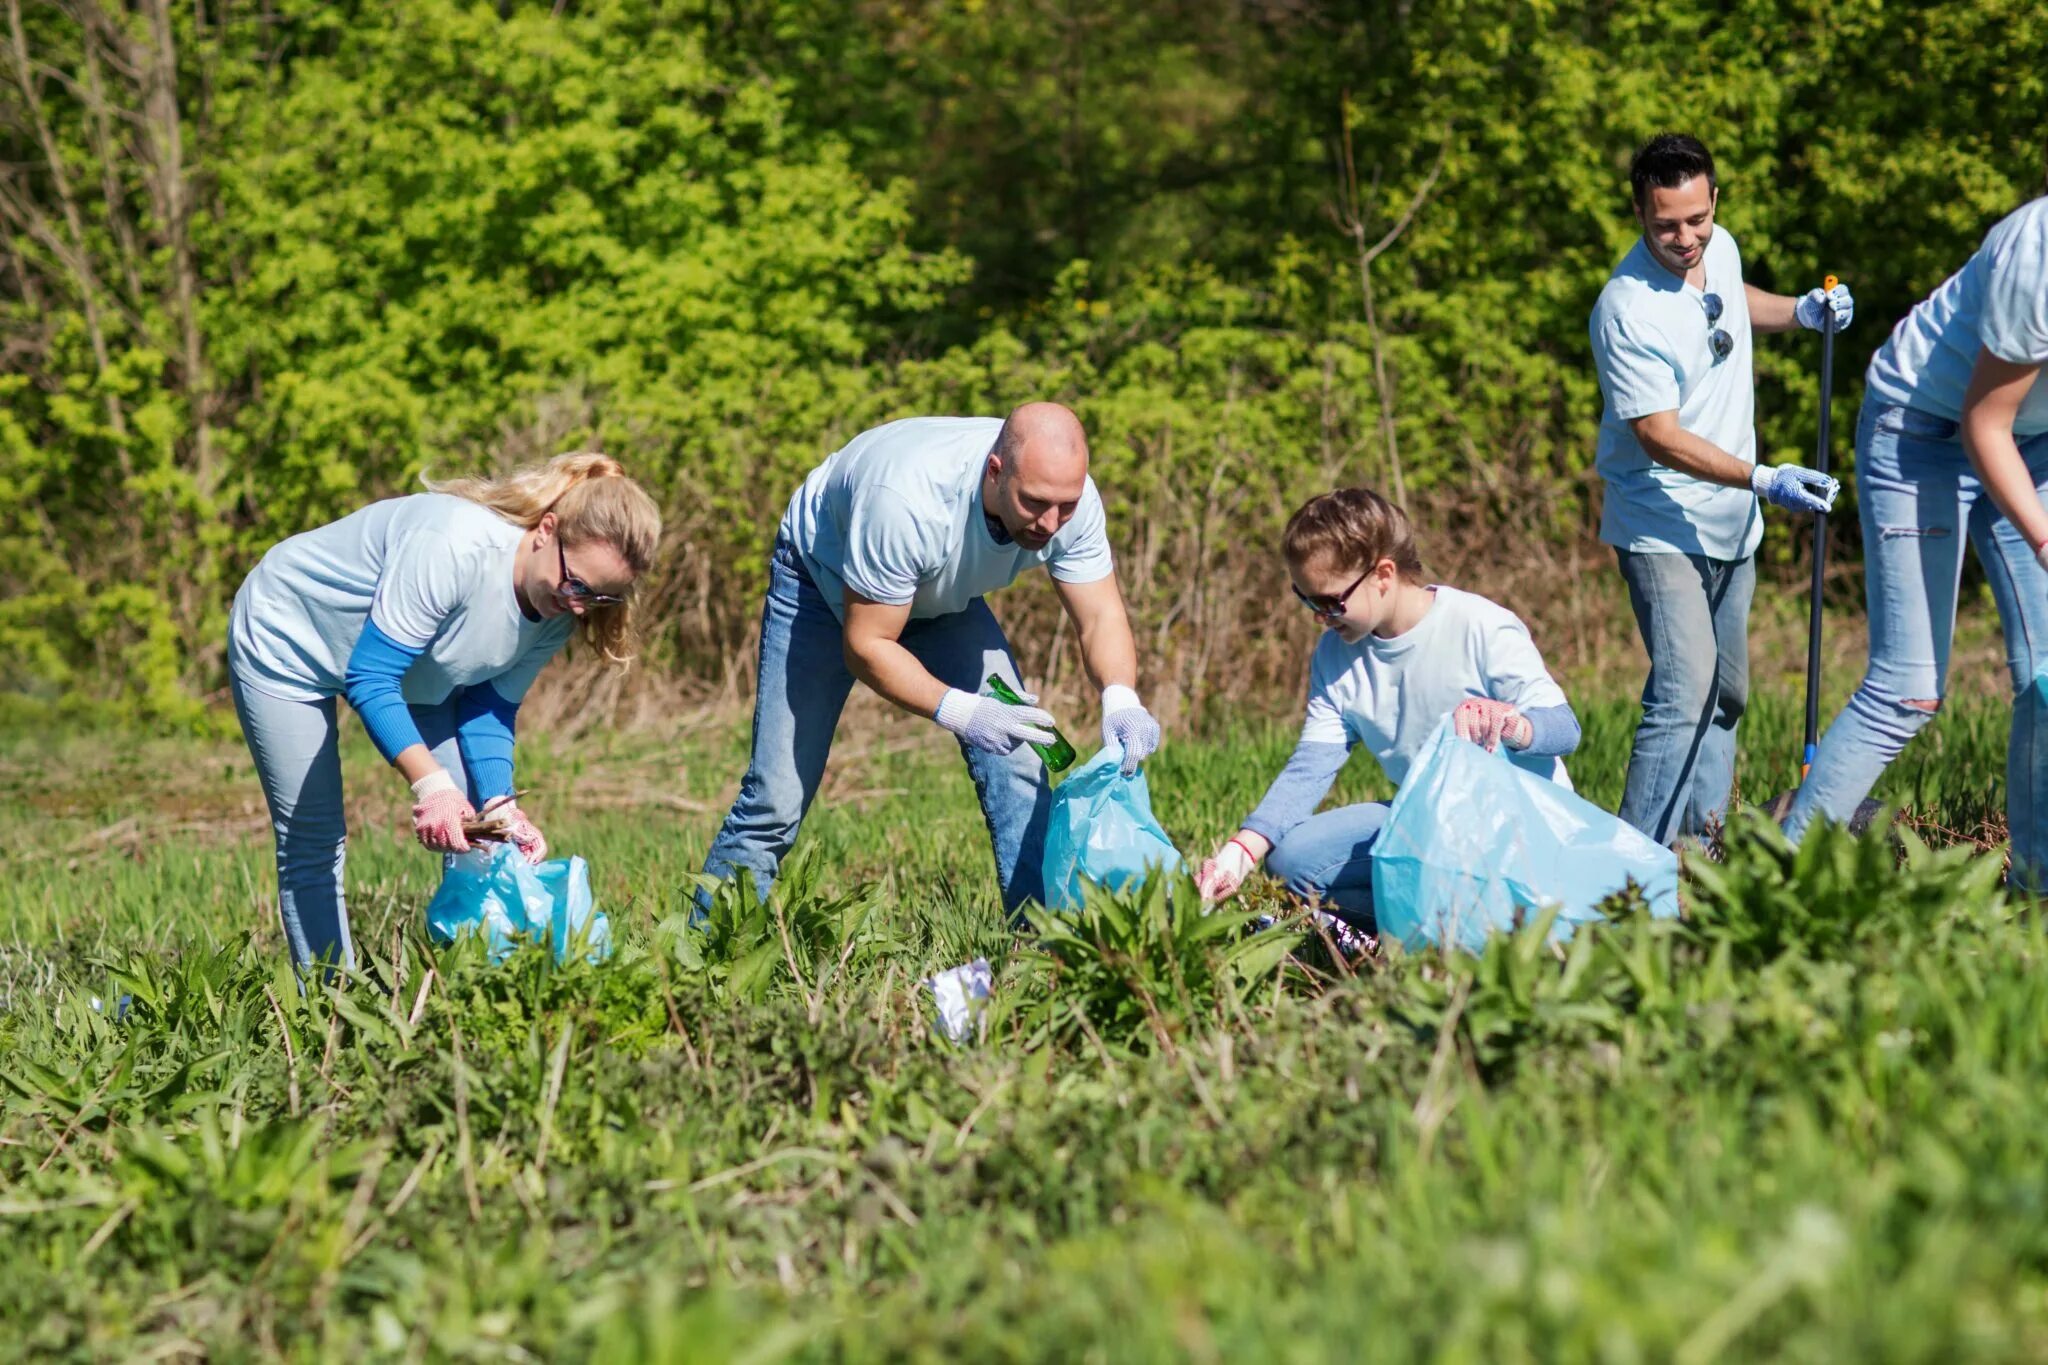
column 1997, row 302
column 433, row 571
column 896, row 513
column 1652, row 346
column 1389, row 695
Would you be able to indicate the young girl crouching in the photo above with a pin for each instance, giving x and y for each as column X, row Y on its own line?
column 1397, row 656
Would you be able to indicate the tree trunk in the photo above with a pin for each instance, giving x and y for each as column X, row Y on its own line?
column 76, row 253
column 174, row 203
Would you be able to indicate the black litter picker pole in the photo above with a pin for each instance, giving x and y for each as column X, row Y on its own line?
column 1820, row 536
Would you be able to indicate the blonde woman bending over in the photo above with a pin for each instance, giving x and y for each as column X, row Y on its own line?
column 431, row 614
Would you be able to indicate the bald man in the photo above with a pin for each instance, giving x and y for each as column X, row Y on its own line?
column 878, row 574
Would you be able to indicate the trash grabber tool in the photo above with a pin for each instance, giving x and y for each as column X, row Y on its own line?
column 1820, row 537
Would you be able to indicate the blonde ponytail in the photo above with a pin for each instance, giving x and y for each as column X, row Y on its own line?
column 593, row 500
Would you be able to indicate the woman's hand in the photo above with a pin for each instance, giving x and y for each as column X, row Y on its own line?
column 513, row 825
column 1489, row 724
column 525, row 835
column 439, row 811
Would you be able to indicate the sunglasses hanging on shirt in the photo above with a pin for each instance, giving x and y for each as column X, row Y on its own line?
column 1718, row 340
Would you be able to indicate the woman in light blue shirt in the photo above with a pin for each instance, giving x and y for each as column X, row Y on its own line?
column 1953, row 440
column 431, row 614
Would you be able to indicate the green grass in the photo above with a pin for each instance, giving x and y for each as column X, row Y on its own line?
column 1808, row 1123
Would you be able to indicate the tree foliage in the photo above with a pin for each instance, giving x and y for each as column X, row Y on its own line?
column 266, row 259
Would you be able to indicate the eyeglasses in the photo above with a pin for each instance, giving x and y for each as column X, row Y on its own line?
column 1718, row 340
column 575, row 588
column 1330, row 608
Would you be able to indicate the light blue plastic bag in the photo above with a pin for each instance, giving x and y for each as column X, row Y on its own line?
column 492, row 889
column 1475, row 845
column 1102, row 831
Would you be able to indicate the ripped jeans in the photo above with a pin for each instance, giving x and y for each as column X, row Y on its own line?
column 1918, row 498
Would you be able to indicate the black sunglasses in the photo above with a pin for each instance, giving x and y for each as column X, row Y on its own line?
column 574, row 587
column 1330, row 608
column 1718, row 340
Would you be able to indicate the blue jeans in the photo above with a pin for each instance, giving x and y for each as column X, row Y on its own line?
column 298, row 762
column 1327, row 859
column 1693, row 613
column 800, row 690
column 1918, row 498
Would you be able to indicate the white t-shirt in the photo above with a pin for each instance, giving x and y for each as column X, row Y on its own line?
column 1652, row 346
column 1389, row 695
column 433, row 571
column 897, row 514
column 1997, row 302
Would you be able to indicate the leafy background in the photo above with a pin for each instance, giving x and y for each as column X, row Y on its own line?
column 260, row 262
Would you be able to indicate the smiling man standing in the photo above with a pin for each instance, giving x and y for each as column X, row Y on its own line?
column 1677, row 453
column 878, row 574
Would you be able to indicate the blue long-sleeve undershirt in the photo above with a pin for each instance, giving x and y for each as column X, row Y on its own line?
column 1305, row 780
column 376, row 669
column 484, row 719
column 484, row 724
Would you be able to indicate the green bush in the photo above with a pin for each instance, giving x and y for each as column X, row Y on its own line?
column 719, row 240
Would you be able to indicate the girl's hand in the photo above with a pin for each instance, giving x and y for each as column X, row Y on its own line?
column 1489, row 723
column 439, row 812
column 1223, row 874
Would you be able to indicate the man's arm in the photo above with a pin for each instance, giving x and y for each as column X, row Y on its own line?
column 1672, row 446
column 875, row 654
column 1111, row 656
column 1770, row 312
column 1107, row 649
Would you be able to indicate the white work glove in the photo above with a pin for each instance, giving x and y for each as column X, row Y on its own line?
column 1490, row 724
column 1794, row 487
column 438, row 813
column 1126, row 723
column 1814, row 305
column 993, row 726
column 1224, row 873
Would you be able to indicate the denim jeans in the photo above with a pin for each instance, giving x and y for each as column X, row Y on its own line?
column 1327, row 859
column 1693, row 613
column 298, row 761
column 800, row 690
column 1918, row 498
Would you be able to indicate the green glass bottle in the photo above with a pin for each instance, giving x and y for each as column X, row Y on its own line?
column 1058, row 755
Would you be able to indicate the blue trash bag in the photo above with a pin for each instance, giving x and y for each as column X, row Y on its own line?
column 1475, row 845
column 492, row 889
column 1101, row 830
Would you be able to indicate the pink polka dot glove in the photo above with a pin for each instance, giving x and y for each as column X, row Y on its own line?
column 1489, row 724
column 439, row 812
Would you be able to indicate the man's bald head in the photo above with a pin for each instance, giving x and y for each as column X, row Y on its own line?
column 1037, row 472
column 1044, row 438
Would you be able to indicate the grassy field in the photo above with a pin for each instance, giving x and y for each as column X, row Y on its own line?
column 1807, row 1123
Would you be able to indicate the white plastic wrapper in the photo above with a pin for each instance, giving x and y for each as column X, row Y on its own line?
column 1349, row 941
column 961, row 993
